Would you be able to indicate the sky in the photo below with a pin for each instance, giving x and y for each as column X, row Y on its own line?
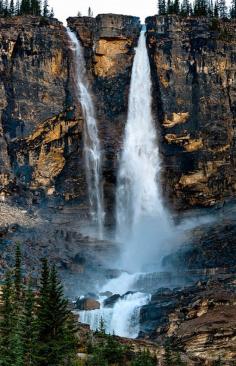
column 65, row 8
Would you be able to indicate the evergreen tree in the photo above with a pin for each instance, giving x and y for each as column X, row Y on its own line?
column 161, row 7
column 90, row 13
column 29, row 326
column 17, row 301
column 144, row 358
column 35, row 8
column 45, row 8
column 216, row 10
column 18, row 275
column 185, row 8
column 200, row 8
column 17, row 7
column 6, row 8
column 56, row 327
column 25, row 7
column 52, row 15
column 6, row 324
column 222, row 8
column 12, row 8
column 233, row 9
column 176, row 7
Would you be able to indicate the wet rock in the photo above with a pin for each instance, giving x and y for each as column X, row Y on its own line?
column 111, row 301
column 87, row 304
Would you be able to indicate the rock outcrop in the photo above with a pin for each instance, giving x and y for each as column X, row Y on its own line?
column 198, row 320
column 194, row 90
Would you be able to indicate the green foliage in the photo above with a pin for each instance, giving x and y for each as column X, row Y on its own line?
column 29, row 326
column 109, row 351
column 24, row 7
column 6, row 324
column 144, row 358
column 56, row 330
column 36, row 332
column 168, row 357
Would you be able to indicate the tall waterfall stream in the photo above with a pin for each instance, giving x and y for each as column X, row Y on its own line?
column 92, row 151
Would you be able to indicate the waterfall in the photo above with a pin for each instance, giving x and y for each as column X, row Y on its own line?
column 123, row 318
column 140, row 213
column 142, row 223
column 92, row 150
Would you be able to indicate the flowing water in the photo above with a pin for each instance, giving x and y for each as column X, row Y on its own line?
column 122, row 319
column 141, row 217
column 92, row 151
column 140, row 213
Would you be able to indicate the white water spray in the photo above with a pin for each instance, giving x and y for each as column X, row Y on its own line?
column 141, row 218
column 92, row 151
column 123, row 318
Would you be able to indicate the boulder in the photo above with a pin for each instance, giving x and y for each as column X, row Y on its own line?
column 87, row 304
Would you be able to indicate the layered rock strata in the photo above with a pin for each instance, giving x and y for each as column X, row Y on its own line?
column 194, row 90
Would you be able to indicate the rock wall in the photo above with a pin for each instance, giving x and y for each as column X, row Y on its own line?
column 40, row 122
column 194, row 90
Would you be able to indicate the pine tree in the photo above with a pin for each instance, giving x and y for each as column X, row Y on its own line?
column 144, row 358
column 161, row 7
column 185, row 8
column 43, row 315
column 216, row 10
column 12, row 8
column 90, row 12
column 6, row 323
column 200, row 8
column 29, row 326
column 56, row 326
column 17, row 7
column 1, row 8
column 6, row 8
column 222, row 8
column 17, row 302
column 18, row 275
column 35, row 8
column 176, row 7
column 45, row 8
column 52, row 15
column 25, row 7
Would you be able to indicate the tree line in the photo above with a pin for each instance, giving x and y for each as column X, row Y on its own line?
column 209, row 8
column 36, row 327
column 25, row 7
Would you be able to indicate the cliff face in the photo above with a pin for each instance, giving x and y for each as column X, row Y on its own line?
column 192, row 64
column 194, row 89
column 109, row 42
column 40, row 133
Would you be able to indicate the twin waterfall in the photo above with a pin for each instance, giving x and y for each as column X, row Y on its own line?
column 92, row 150
column 139, row 210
